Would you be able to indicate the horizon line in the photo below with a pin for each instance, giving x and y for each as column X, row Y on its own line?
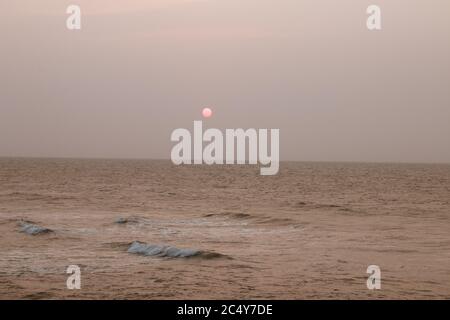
column 168, row 159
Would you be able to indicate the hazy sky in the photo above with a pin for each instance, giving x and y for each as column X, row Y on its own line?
column 139, row 69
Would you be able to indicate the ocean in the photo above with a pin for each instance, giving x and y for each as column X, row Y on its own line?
column 223, row 232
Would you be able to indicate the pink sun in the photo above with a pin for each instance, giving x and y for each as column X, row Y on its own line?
column 206, row 112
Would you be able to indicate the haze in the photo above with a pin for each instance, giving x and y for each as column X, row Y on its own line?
column 140, row 69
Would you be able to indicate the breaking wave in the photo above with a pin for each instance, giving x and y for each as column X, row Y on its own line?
column 33, row 229
column 169, row 251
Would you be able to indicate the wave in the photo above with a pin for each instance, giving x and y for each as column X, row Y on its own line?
column 169, row 251
column 122, row 220
column 33, row 196
column 257, row 219
column 278, row 222
column 234, row 215
column 325, row 206
column 33, row 229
